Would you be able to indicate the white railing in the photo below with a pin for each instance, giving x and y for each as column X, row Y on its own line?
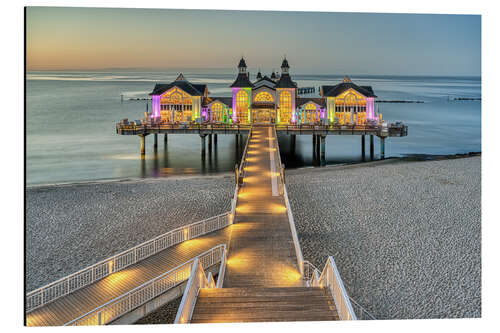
column 197, row 281
column 298, row 250
column 330, row 278
column 243, row 158
column 89, row 275
column 144, row 293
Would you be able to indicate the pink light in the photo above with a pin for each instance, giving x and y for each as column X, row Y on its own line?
column 156, row 106
column 370, row 108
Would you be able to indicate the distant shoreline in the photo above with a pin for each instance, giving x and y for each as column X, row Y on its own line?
column 408, row 158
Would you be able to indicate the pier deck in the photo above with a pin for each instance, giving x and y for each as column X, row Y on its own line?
column 261, row 250
column 262, row 280
column 82, row 301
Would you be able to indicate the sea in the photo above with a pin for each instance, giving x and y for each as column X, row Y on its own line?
column 71, row 117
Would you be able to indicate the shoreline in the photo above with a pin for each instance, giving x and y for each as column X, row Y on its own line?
column 225, row 174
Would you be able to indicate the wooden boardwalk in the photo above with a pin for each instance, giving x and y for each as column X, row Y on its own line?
column 261, row 249
column 262, row 281
column 80, row 302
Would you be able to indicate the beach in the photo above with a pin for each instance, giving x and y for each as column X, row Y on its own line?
column 406, row 236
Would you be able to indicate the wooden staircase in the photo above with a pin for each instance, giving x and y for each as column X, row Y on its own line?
column 257, row 304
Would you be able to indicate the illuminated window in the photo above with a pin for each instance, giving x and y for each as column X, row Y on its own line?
column 264, row 97
column 217, row 112
column 285, row 107
column 312, row 113
column 179, row 102
column 242, row 106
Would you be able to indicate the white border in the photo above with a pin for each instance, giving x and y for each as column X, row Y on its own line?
column 12, row 164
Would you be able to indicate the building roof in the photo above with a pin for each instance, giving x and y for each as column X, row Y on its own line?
column 182, row 83
column 242, row 63
column 265, row 81
column 273, row 75
column 304, row 100
column 285, row 63
column 333, row 91
column 224, row 100
column 242, row 81
column 285, row 81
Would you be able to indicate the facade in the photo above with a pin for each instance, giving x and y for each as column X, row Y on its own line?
column 271, row 99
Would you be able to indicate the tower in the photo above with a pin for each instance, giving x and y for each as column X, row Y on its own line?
column 242, row 94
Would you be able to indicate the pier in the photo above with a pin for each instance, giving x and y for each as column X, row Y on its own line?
column 244, row 265
column 317, row 132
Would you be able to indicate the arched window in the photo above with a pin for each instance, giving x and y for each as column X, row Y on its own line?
column 217, row 112
column 263, row 97
column 312, row 113
column 242, row 106
column 178, row 104
column 285, row 107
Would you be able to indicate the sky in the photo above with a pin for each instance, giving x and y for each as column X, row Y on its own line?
column 67, row 38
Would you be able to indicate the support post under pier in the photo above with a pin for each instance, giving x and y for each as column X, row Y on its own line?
column 203, row 136
column 143, row 144
column 215, row 139
column 165, row 139
column 209, row 142
column 323, row 147
column 155, row 145
column 362, row 147
column 371, row 148
column 318, row 142
column 382, row 148
column 292, row 144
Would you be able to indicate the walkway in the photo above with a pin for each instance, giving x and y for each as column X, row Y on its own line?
column 261, row 249
column 262, row 281
column 80, row 302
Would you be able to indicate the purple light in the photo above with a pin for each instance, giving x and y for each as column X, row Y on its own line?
column 156, row 106
column 370, row 108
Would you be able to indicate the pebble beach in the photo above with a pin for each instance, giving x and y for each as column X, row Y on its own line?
column 406, row 236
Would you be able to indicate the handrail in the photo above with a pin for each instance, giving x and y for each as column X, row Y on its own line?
column 330, row 278
column 222, row 269
column 298, row 250
column 142, row 294
column 243, row 157
column 103, row 268
column 197, row 281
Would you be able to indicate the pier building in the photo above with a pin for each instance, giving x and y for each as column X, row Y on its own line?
column 268, row 100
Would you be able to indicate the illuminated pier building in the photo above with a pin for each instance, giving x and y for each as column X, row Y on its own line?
column 273, row 99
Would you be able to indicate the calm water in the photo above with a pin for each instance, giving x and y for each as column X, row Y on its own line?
column 71, row 120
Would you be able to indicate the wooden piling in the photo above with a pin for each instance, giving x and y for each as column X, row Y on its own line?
column 143, row 144
column 323, row 147
column 203, row 136
column 382, row 148
column 363, row 147
column 371, row 148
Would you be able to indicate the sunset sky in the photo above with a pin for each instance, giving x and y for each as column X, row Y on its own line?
column 330, row 43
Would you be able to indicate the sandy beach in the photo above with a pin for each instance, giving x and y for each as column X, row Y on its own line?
column 406, row 236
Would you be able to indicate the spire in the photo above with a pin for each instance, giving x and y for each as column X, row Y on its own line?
column 259, row 75
column 242, row 66
column 284, row 66
column 347, row 79
column 273, row 75
column 180, row 78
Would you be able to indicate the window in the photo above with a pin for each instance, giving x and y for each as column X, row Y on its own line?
column 217, row 112
column 285, row 107
column 264, row 97
column 242, row 106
